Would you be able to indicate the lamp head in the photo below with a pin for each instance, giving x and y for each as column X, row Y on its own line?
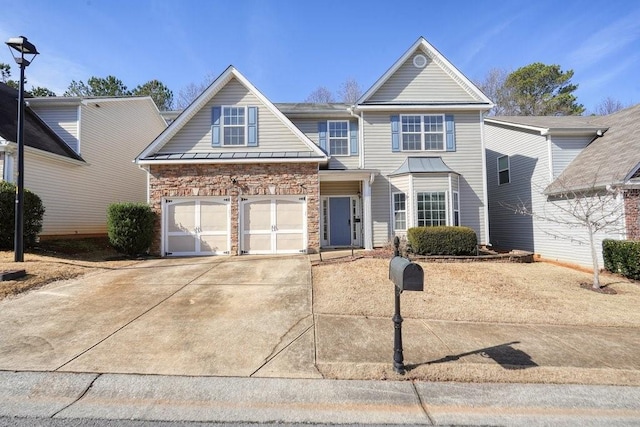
column 23, row 47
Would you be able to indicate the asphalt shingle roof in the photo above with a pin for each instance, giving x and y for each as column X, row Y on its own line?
column 36, row 133
column 608, row 160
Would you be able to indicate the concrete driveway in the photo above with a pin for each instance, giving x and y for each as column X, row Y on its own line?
column 233, row 316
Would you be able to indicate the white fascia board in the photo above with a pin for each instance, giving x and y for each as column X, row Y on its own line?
column 228, row 161
column 328, row 175
column 542, row 130
column 426, row 107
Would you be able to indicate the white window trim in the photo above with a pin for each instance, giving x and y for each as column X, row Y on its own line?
column 348, row 138
column 508, row 169
column 393, row 211
column 455, row 196
column 448, row 211
column 422, row 133
column 223, row 126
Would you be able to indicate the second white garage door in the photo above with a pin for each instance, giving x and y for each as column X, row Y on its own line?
column 273, row 225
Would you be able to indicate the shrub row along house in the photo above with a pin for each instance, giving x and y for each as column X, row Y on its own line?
column 235, row 173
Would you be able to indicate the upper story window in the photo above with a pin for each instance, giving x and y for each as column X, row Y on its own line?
column 233, row 125
column 504, row 175
column 422, row 132
column 338, row 138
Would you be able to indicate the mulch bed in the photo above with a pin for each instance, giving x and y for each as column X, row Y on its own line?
column 601, row 290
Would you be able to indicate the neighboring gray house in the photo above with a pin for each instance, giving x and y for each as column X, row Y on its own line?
column 532, row 159
column 235, row 173
column 78, row 155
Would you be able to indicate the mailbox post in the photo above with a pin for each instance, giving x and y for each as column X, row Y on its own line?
column 406, row 276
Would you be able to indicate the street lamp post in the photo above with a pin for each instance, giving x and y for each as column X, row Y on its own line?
column 23, row 47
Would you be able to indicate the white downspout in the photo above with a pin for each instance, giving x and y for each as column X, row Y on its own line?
column 360, row 118
column 485, row 198
column 366, row 210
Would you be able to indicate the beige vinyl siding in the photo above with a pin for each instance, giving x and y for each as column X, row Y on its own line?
column 273, row 135
column 530, row 174
column 63, row 121
column 75, row 194
column 431, row 83
column 337, row 188
column 564, row 150
column 310, row 128
column 466, row 161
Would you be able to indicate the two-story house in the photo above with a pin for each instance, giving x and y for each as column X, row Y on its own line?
column 235, row 173
column 545, row 162
column 78, row 155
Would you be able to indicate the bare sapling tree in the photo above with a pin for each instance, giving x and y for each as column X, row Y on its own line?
column 593, row 209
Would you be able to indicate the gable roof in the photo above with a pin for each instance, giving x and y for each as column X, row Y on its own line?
column 612, row 159
column 424, row 46
column 150, row 154
column 36, row 133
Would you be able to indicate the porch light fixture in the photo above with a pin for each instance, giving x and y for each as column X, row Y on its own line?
column 22, row 47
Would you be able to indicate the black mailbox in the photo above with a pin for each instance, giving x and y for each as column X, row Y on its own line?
column 406, row 275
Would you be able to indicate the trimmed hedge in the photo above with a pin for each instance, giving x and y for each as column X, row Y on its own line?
column 444, row 240
column 622, row 256
column 130, row 227
column 33, row 214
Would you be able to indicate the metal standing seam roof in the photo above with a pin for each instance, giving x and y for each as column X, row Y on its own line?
column 422, row 165
column 233, row 156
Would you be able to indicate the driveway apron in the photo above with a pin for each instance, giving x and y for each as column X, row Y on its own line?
column 232, row 316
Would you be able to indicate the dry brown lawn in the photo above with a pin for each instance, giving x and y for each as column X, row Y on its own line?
column 58, row 260
column 538, row 293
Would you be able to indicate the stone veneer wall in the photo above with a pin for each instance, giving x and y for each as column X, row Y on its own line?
column 632, row 214
column 236, row 180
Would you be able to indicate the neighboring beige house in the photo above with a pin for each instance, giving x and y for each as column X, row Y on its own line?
column 533, row 160
column 236, row 174
column 92, row 166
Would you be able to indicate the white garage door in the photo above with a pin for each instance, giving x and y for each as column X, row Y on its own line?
column 196, row 226
column 273, row 225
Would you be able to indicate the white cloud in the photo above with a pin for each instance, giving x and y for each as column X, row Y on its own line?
column 607, row 41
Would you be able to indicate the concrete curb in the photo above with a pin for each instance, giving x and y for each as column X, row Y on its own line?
column 262, row 400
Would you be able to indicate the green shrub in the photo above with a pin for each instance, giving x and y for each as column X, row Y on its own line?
column 130, row 227
column 444, row 240
column 622, row 256
column 33, row 213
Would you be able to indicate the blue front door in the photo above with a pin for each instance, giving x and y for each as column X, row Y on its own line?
column 339, row 221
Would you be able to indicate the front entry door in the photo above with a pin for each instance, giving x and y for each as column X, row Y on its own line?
column 339, row 221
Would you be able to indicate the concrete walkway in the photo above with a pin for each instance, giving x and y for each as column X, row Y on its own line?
column 235, row 340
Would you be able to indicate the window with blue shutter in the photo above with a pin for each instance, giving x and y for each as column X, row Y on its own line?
column 451, row 132
column 216, row 113
column 353, row 137
column 322, row 135
column 395, row 133
column 252, row 123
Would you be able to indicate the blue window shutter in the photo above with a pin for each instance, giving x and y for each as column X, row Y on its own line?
column 395, row 133
column 322, row 135
column 451, row 132
column 252, row 123
column 216, row 112
column 353, row 137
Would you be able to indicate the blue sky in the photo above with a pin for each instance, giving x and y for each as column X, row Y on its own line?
column 289, row 48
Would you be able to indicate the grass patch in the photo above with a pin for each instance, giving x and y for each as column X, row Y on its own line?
column 59, row 259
